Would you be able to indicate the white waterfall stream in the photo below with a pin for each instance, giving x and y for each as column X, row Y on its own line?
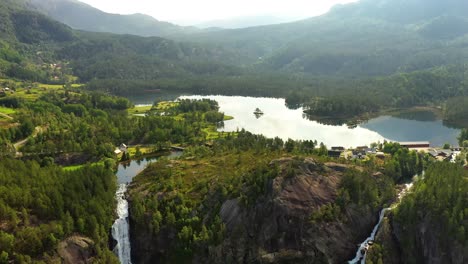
column 361, row 253
column 120, row 228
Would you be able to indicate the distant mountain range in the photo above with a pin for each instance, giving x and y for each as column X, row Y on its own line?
column 82, row 16
column 365, row 39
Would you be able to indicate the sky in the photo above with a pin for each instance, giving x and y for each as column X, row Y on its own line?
column 197, row 11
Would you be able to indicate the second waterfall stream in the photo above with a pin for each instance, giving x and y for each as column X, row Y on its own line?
column 361, row 253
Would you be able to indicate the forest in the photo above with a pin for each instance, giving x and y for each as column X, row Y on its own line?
column 44, row 200
column 439, row 201
column 40, row 205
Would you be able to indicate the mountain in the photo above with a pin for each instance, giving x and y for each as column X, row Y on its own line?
column 82, row 16
column 367, row 38
column 29, row 41
column 244, row 22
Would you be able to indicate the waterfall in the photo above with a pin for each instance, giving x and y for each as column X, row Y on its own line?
column 361, row 253
column 120, row 228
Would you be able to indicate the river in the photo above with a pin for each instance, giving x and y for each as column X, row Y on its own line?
column 120, row 228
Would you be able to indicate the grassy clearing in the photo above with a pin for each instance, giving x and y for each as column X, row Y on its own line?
column 139, row 109
column 7, row 111
column 77, row 167
column 211, row 133
column 144, row 150
column 165, row 105
column 37, row 89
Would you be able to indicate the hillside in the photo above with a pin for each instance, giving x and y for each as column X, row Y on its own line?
column 368, row 38
column 214, row 205
column 30, row 41
column 430, row 225
column 82, row 16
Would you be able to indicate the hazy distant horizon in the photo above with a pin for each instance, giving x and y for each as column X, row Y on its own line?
column 206, row 11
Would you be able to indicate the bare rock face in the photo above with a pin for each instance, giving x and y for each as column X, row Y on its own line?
column 76, row 250
column 277, row 228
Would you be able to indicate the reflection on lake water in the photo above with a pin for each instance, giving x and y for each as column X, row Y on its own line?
column 279, row 121
column 127, row 170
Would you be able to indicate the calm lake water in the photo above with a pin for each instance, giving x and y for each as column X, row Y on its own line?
column 286, row 123
column 126, row 171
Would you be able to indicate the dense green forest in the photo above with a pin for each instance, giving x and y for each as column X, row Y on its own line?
column 40, row 206
column 42, row 203
column 439, row 202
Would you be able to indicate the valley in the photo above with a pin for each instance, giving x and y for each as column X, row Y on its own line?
column 125, row 139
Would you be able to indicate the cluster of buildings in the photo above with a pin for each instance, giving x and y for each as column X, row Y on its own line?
column 4, row 91
column 420, row 146
column 356, row 153
column 121, row 149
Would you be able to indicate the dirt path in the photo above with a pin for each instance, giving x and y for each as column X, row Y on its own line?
column 6, row 116
column 23, row 142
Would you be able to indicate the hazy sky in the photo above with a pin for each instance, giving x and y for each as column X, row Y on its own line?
column 193, row 11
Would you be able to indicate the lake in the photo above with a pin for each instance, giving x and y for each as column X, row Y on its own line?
column 280, row 121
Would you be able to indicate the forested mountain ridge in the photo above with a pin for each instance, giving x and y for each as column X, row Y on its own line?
column 30, row 40
column 82, row 16
column 367, row 38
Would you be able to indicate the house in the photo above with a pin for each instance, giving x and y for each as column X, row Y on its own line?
column 445, row 153
column 358, row 154
column 371, row 150
column 362, row 148
column 117, row 151
column 441, row 155
column 123, row 147
column 334, row 153
column 380, row 155
column 338, row 148
column 433, row 153
column 415, row 144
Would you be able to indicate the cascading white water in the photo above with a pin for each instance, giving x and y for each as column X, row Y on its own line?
column 361, row 253
column 120, row 228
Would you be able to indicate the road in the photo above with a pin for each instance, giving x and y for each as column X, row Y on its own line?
column 23, row 142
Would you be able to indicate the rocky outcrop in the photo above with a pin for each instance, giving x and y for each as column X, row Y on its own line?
column 76, row 250
column 277, row 227
column 278, row 230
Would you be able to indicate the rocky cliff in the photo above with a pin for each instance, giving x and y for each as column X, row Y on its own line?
column 277, row 228
column 430, row 223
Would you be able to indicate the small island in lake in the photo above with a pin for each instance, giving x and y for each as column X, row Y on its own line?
column 258, row 113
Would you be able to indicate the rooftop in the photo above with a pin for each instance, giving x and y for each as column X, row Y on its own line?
column 415, row 143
